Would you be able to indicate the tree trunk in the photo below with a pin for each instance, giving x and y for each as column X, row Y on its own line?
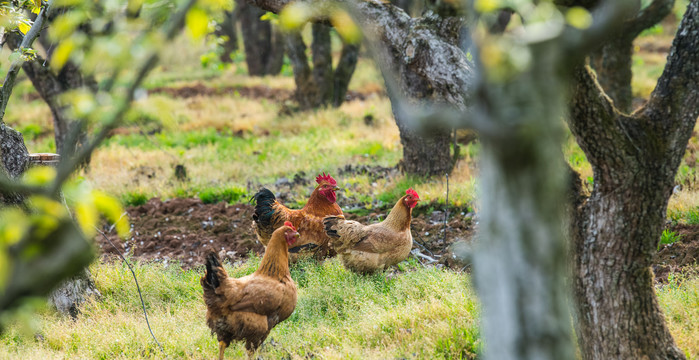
column 256, row 35
column 263, row 54
column 72, row 292
column 228, row 28
column 51, row 86
column 520, row 262
column 306, row 90
column 343, row 72
column 14, row 157
column 634, row 159
column 613, row 60
column 322, row 62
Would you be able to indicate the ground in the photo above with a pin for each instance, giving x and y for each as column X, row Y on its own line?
column 183, row 231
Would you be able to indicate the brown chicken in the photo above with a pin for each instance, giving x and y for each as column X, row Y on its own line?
column 249, row 307
column 370, row 248
column 270, row 214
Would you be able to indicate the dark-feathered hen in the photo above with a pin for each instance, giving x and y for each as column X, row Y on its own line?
column 270, row 214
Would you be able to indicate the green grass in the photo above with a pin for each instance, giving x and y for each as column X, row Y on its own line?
column 669, row 237
column 419, row 313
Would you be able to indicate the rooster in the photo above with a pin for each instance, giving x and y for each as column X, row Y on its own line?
column 270, row 214
column 249, row 307
column 370, row 248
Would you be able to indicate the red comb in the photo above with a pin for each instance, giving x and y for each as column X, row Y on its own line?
column 289, row 224
column 412, row 193
column 325, row 177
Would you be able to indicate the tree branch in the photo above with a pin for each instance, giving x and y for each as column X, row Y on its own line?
column 606, row 17
column 12, row 72
column 675, row 99
column 648, row 17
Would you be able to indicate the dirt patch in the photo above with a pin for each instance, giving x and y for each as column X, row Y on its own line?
column 253, row 92
column 185, row 230
column 681, row 256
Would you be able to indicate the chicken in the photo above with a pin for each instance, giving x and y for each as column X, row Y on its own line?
column 370, row 248
column 249, row 307
column 270, row 214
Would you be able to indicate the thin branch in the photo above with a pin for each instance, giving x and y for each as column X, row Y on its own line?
column 71, row 164
column 12, row 72
column 648, row 17
column 606, row 17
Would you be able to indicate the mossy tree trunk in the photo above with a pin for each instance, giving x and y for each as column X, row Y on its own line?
column 634, row 159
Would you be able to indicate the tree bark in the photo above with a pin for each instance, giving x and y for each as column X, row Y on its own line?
column 322, row 62
column 259, row 40
column 306, row 90
column 72, row 292
column 634, row 159
column 343, row 72
column 14, row 158
column 51, row 86
column 228, row 28
column 613, row 60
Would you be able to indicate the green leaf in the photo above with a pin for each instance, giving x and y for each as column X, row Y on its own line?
column 39, row 175
column 579, row 17
column 113, row 211
column 62, row 54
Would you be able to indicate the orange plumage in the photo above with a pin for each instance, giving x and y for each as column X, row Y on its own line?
column 270, row 214
column 369, row 248
column 249, row 307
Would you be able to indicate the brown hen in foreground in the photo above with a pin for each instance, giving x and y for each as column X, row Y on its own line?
column 249, row 307
column 270, row 214
column 368, row 248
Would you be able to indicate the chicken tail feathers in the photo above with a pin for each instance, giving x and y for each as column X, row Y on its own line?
column 213, row 269
column 264, row 215
column 329, row 222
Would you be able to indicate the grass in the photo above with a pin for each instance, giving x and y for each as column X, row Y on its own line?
column 415, row 314
column 418, row 313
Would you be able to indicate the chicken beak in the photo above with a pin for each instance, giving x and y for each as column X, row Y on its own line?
column 337, row 188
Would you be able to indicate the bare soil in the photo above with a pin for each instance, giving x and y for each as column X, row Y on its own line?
column 183, row 231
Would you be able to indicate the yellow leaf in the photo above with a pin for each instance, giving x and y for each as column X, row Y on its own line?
column 112, row 210
column 23, row 28
column 294, row 16
column 62, row 54
column 13, row 225
column 486, row 6
column 39, row 175
column 37, row 3
column 87, row 216
column 579, row 17
column 197, row 22
column 346, row 27
column 44, row 205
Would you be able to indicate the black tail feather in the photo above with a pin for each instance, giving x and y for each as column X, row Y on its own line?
column 212, row 263
column 264, row 213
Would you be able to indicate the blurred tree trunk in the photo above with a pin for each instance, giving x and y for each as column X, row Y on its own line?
column 634, row 159
column 613, row 60
column 14, row 159
column 228, row 28
column 264, row 50
column 320, row 85
column 51, row 86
